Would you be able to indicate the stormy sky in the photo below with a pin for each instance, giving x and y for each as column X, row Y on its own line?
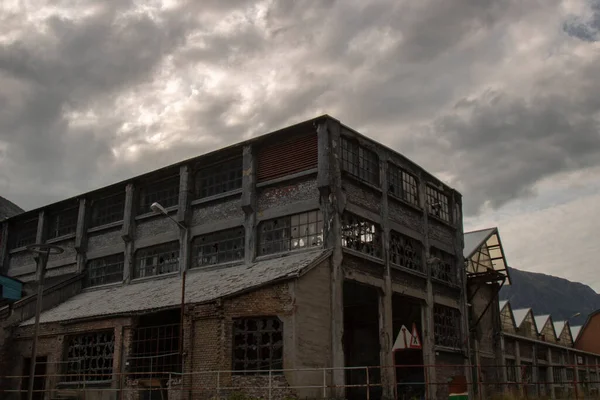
column 499, row 98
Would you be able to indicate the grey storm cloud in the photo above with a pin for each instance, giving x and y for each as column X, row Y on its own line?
column 99, row 93
column 586, row 28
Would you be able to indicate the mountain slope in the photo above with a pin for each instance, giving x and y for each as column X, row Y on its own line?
column 547, row 294
column 8, row 208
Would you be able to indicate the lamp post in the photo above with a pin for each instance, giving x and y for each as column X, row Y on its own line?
column 159, row 209
column 43, row 251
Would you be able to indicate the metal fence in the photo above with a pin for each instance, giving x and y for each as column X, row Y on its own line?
column 411, row 382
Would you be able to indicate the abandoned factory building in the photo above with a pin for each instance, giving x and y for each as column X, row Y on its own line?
column 305, row 251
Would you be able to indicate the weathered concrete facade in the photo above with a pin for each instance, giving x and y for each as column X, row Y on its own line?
column 329, row 206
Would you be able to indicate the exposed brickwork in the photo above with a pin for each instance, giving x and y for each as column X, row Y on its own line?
column 355, row 263
column 449, row 367
column 287, row 194
column 105, row 238
column 217, row 211
column 406, row 215
column 440, row 232
column 362, row 196
column 154, row 226
column 67, row 257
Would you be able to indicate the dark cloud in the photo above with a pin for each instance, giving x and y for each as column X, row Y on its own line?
column 585, row 28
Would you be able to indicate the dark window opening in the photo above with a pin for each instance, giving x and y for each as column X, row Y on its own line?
column 403, row 185
column 155, row 348
column 443, row 266
column 218, row 247
column 437, row 204
column 446, row 326
column 361, row 235
column 164, row 192
column 107, row 210
column 62, row 223
column 257, row 345
column 157, row 260
column 511, row 370
column 90, row 357
column 221, row 178
column 360, row 162
column 406, row 251
column 102, row 271
column 291, row 232
column 25, row 233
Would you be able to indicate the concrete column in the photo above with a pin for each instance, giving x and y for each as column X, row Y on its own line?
column 518, row 376
column 40, row 236
column 338, row 204
column 386, row 336
column 534, row 370
column 563, row 372
column 428, row 323
column 183, row 217
column 576, row 372
column 81, row 235
column 128, row 231
column 501, row 357
column 249, row 202
column 597, row 379
column 550, row 376
column 4, row 247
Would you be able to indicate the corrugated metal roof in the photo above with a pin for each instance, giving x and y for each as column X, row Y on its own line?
column 474, row 239
column 520, row 315
column 201, row 286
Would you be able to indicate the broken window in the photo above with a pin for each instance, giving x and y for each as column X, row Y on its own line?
column 437, row 204
column 257, row 345
column 403, row 185
column 446, row 326
column 361, row 235
column 155, row 350
column 165, row 192
column 220, row 178
column 557, row 374
column 360, row 162
column 62, row 223
column 157, row 260
column 90, row 357
column 570, row 375
column 291, row 232
column 107, row 210
column 443, row 266
column 102, row 271
column 511, row 367
column 406, row 251
column 25, row 233
column 218, row 247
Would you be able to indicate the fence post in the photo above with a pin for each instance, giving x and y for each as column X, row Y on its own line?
column 324, row 383
column 270, row 385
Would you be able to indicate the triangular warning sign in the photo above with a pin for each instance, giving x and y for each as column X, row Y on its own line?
column 402, row 340
column 415, row 342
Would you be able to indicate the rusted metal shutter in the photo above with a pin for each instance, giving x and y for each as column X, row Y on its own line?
column 286, row 158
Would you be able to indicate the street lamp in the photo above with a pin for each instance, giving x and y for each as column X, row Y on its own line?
column 43, row 251
column 159, row 209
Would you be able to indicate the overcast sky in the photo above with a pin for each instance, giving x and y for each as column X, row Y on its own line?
column 500, row 99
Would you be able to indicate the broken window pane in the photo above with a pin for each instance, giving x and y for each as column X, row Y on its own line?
column 155, row 351
column 218, row 247
column 90, row 357
column 360, row 162
column 157, row 260
column 403, row 185
column 102, row 271
column 165, row 192
column 257, row 345
column 446, row 326
column 406, row 251
column 25, row 233
column 107, row 210
column 291, row 232
column 220, row 178
column 437, row 203
column 443, row 266
column 361, row 235
column 62, row 223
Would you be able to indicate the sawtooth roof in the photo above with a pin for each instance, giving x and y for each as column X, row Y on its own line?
column 201, row 286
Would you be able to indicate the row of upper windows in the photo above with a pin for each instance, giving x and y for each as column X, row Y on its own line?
column 364, row 164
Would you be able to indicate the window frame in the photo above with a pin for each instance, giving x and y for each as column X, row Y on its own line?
column 156, row 254
column 113, row 258
column 418, row 249
column 357, row 160
column 435, row 196
column 399, row 178
column 258, row 334
column 67, row 216
column 362, row 230
column 152, row 191
column 21, row 231
column 99, row 205
column 447, row 266
column 450, row 314
column 73, row 376
column 309, row 228
column 221, row 238
column 213, row 172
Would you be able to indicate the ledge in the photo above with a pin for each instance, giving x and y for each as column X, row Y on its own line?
column 400, row 200
column 357, row 253
column 61, row 238
column 212, row 267
column 418, row 274
column 148, row 215
column 105, row 226
column 285, row 253
column 441, row 221
column 98, row 287
column 453, row 286
column 445, row 349
column 133, row 281
column 219, row 196
column 291, row 177
column 346, row 174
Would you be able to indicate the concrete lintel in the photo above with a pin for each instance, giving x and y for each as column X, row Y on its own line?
column 409, row 291
column 222, row 225
column 442, row 246
column 289, row 209
column 447, row 301
column 104, row 252
column 361, row 212
column 353, row 275
column 165, row 237
column 405, row 230
column 128, row 229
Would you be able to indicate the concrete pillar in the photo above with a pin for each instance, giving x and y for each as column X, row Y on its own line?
column 386, row 336
column 128, row 232
column 550, row 376
column 519, row 375
column 249, row 202
column 183, row 217
column 40, row 236
column 81, row 235
column 338, row 204
column 3, row 247
column 501, row 357
column 534, row 370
